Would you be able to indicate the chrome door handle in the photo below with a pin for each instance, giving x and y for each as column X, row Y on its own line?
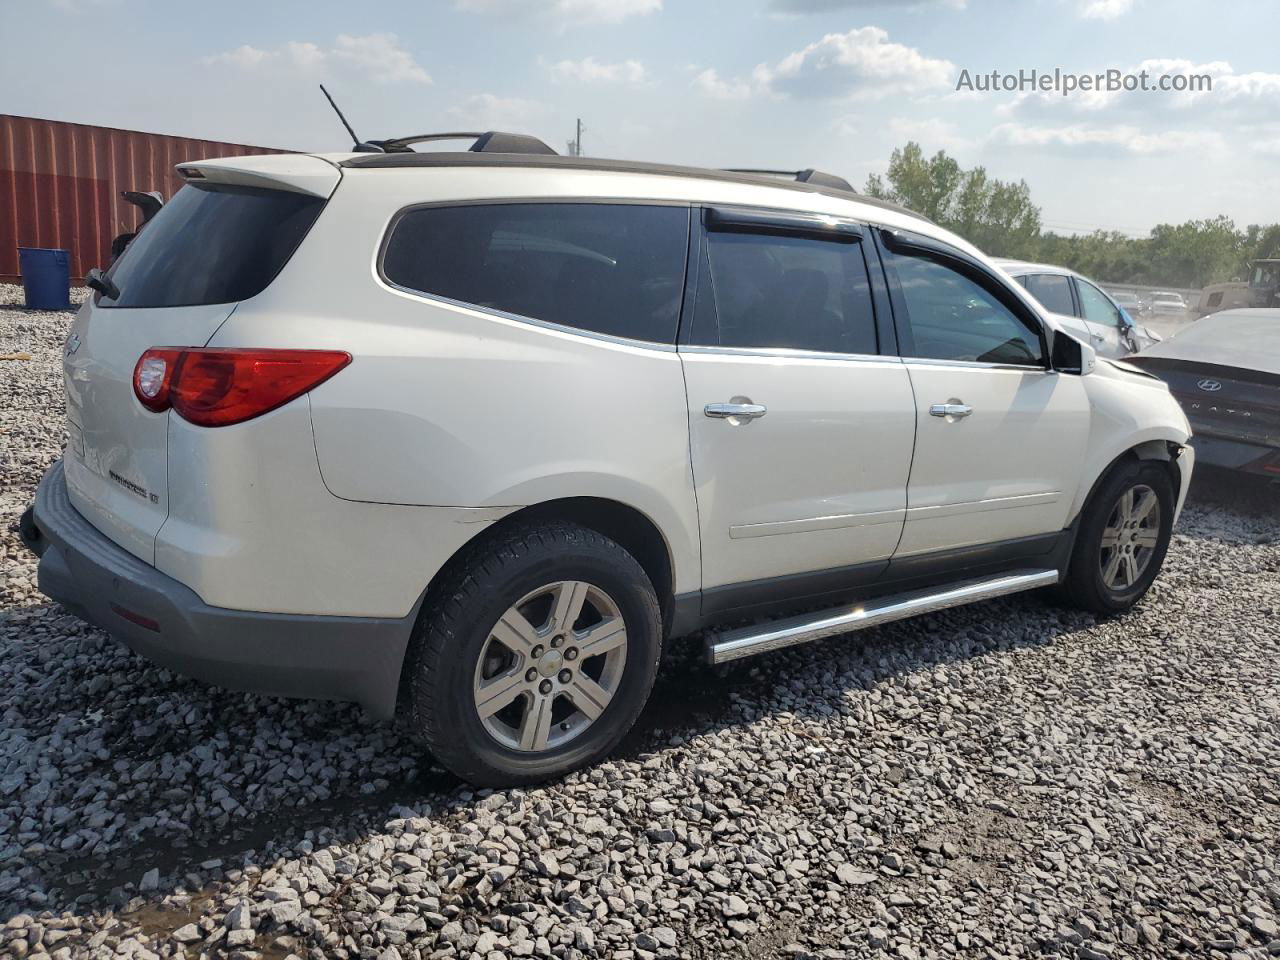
column 952, row 411
column 730, row 411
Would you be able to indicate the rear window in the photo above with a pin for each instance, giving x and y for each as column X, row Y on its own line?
column 616, row 269
column 212, row 244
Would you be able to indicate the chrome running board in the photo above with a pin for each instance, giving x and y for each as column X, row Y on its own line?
column 776, row 634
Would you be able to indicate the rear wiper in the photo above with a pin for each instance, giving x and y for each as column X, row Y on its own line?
column 97, row 280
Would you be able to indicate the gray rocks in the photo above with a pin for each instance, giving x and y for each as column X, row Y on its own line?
column 1006, row 780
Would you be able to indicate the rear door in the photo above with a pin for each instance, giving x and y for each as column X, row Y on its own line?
column 801, row 431
column 210, row 247
column 1000, row 437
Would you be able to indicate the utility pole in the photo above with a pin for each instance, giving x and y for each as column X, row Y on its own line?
column 575, row 145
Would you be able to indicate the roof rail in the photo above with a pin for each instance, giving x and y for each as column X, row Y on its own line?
column 465, row 158
column 491, row 141
column 815, row 177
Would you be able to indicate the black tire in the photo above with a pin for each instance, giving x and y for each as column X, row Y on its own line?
column 441, row 663
column 1085, row 585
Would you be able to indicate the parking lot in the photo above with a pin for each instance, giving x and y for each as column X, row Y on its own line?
column 1008, row 779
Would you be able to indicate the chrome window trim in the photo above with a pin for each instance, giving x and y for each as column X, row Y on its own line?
column 788, row 353
column 979, row 365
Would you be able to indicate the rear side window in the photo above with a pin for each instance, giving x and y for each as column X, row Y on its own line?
column 1053, row 290
column 776, row 290
column 616, row 269
column 212, row 244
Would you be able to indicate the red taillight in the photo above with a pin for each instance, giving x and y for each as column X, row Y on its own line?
column 152, row 375
column 219, row 387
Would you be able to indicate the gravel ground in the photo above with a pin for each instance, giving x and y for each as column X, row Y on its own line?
column 1008, row 779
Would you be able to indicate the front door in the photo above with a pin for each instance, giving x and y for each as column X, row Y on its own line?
column 801, row 432
column 1000, row 438
column 1106, row 324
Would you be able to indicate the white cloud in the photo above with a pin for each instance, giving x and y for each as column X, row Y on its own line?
column 709, row 83
column 376, row 55
column 1105, row 9
column 305, row 55
column 568, row 11
column 487, row 111
column 823, row 6
column 591, row 70
column 382, row 56
column 243, row 56
column 1112, row 139
column 860, row 63
column 933, row 133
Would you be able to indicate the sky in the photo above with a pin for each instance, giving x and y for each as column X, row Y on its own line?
column 787, row 84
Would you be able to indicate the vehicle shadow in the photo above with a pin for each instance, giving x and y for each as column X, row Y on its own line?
column 388, row 773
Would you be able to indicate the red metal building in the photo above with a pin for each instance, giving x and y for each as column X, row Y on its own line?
column 60, row 184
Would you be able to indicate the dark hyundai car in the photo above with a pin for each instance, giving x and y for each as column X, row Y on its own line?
column 1225, row 371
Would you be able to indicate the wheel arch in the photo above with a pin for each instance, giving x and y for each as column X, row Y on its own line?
column 629, row 527
column 632, row 529
column 1163, row 449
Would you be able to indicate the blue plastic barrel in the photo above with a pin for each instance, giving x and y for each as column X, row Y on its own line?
column 46, row 277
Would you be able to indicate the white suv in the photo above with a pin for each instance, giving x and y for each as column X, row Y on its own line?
column 471, row 434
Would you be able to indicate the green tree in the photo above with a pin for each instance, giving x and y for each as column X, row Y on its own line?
column 1000, row 218
column 996, row 216
column 1195, row 253
column 1260, row 243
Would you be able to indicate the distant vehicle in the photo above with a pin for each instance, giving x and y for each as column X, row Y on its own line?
column 1082, row 307
column 1130, row 303
column 1262, row 289
column 1225, row 371
column 1166, row 303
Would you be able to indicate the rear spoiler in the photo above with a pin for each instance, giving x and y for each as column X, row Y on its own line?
column 295, row 172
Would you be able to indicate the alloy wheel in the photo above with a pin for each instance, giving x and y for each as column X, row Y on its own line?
column 550, row 666
column 1130, row 537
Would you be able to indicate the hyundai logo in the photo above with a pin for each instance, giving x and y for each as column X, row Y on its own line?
column 72, row 345
column 1209, row 386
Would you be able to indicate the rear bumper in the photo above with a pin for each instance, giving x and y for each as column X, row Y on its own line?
column 321, row 657
column 1230, row 454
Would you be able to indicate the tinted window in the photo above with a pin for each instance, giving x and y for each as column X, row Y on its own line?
column 212, row 245
column 610, row 268
column 1053, row 291
column 952, row 317
column 1096, row 305
column 795, row 292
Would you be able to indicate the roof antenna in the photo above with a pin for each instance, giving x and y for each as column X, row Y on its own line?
column 359, row 145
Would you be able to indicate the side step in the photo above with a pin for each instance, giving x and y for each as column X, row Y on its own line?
column 776, row 634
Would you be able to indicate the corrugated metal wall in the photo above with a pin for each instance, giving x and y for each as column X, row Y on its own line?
column 60, row 184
